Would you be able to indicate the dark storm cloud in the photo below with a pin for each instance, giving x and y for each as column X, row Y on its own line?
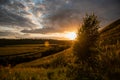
column 108, row 9
column 58, row 23
column 62, row 14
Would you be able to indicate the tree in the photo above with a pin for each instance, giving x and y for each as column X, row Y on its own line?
column 86, row 38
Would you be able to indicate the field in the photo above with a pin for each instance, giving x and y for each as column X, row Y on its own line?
column 34, row 61
column 54, row 60
column 15, row 54
column 21, row 49
column 48, row 68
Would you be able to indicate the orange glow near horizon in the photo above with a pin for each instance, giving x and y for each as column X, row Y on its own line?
column 60, row 36
column 71, row 35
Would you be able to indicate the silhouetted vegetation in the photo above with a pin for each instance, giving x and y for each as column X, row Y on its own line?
column 97, row 54
column 87, row 37
column 5, row 42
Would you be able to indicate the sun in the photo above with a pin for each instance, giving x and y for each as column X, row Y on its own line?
column 71, row 35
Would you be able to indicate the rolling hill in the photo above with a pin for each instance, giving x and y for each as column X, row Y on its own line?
column 111, row 33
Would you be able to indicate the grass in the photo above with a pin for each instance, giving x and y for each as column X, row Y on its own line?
column 20, row 49
column 15, row 54
column 110, row 35
column 47, row 68
column 32, row 74
column 25, row 48
column 65, row 56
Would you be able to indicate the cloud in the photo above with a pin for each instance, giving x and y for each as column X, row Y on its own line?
column 105, row 9
column 6, row 33
column 14, row 34
column 8, row 18
column 43, row 31
column 59, row 22
column 9, row 34
column 66, row 15
column 2, row 2
column 18, row 13
column 54, row 16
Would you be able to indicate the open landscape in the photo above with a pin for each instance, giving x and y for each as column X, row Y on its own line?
column 59, row 40
column 25, row 58
column 54, row 59
column 13, row 54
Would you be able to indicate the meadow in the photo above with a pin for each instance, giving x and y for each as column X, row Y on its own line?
column 52, row 67
column 19, row 53
column 32, row 61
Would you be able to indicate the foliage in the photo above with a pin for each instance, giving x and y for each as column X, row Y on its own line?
column 32, row 74
column 87, row 36
column 97, row 53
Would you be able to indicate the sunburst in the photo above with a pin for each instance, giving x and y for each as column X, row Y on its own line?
column 71, row 35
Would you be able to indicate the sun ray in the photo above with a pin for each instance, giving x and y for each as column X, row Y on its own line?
column 71, row 35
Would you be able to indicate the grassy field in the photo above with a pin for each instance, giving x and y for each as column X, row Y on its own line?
column 21, row 49
column 65, row 57
column 42, row 66
column 52, row 67
column 33, row 74
column 19, row 53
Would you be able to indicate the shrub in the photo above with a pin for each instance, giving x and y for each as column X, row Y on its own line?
column 85, row 43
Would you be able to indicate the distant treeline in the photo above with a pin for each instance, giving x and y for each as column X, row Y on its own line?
column 5, row 42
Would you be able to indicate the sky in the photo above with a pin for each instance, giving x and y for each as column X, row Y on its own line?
column 52, row 18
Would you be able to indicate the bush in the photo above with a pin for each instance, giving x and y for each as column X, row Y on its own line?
column 97, row 57
column 87, row 36
column 85, row 50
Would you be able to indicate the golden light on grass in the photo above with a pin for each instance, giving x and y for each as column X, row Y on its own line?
column 71, row 35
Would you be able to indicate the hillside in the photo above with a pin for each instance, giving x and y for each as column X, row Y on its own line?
column 55, row 60
column 52, row 67
column 111, row 33
column 109, row 40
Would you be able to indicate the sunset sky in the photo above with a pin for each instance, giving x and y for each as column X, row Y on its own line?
column 51, row 18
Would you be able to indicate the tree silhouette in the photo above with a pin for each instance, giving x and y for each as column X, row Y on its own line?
column 86, row 38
